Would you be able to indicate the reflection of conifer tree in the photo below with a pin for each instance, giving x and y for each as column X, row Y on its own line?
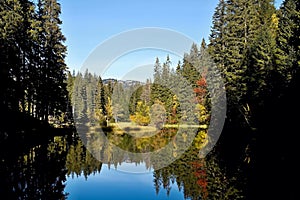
column 200, row 179
column 39, row 173
column 79, row 160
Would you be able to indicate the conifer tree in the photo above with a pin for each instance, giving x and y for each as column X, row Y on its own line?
column 288, row 41
column 32, row 58
column 53, row 52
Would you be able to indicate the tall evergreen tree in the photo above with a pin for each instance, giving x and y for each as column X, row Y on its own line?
column 242, row 45
column 157, row 70
column 53, row 52
column 11, row 21
column 32, row 58
column 218, row 35
column 145, row 96
column 261, row 56
column 237, row 25
column 156, row 87
column 191, row 66
column 241, row 19
column 288, row 41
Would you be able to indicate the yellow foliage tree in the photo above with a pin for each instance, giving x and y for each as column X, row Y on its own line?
column 142, row 114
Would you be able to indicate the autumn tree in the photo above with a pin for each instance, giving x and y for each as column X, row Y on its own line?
column 142, row 114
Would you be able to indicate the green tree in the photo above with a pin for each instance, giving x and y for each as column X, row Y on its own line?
column 242, row 46
column 120, row 103
column 70, row 84
column 288, row 51
column 218, row 35
column 158, row 114
column 52, row 54
column 262, row 57
column 156, row 87
column 136, row 91
column 12, row 27
column 109, row 110
column 174, row 116
column 32, row 58
column 100, row 99
column 157, row 70
column 146, row 94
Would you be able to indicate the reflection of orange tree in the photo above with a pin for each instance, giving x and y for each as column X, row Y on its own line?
column 200, row 178
column 202, row 111
column 200, row 174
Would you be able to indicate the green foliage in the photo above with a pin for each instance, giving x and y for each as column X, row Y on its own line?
column 158, row 114
column 135, row 97
column 120, row 101
column 80, row 161
column 198, row 178
column 32, row 58
column 174, row 116
column 109, row 110
column 288, row 41
column 92, row 100
column 257, row 50
column 243, row 46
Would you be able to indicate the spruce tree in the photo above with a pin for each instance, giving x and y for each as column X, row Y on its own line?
column 11, row 21
column 261, row 56
column 218, row 35
column 288, row 41
column 52, row 52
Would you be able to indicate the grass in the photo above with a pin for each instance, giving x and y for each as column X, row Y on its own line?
column 133, row 129
column 143, row 131
column 185, row 126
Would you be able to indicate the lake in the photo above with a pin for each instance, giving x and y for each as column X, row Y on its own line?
column 68, row 167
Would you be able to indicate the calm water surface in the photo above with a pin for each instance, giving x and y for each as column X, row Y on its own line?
column 114, row 184
column 61, row 167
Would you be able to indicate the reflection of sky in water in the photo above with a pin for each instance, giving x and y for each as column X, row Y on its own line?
column 114, row 184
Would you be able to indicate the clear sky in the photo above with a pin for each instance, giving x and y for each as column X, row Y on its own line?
column 86, row 24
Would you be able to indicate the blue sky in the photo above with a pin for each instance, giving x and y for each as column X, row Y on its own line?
column 86, row 24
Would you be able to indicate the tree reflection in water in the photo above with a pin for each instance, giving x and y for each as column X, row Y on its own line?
column 39, row 170
column 33, row 171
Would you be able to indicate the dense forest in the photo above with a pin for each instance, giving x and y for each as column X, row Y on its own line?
column 178, row 94
column 32, row 60
column 257, row 49
column 254, row 46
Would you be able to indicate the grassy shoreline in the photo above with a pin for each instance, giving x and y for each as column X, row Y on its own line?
column 140, row 131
